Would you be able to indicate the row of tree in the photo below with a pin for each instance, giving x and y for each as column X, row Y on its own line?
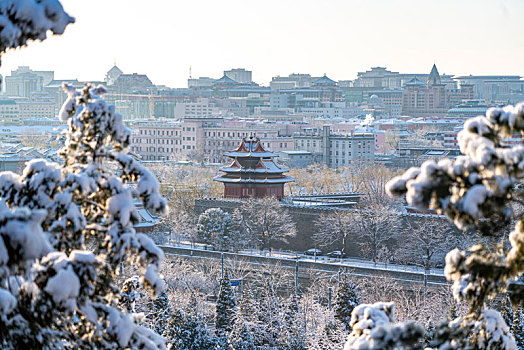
column 384, row 235
column 378, row 231
column 263, row 314
column 255, row 223
column 253, row 319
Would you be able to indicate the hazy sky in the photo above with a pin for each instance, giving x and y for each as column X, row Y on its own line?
column 162, row 38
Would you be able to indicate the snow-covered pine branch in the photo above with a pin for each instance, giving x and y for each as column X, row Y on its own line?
column 374, row 328
column 23, row 20
column 53, row 292
column 474, row 190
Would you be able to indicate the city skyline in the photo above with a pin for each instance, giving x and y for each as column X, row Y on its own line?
column 275, row 40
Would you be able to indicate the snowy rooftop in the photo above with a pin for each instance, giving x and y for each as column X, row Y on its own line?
column 251, row 154
column 263, row 166
column 251, row 147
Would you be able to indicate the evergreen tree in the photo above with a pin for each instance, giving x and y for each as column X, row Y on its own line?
column 292, row 335
column 130, row 293
column 186, row 330
column 476, row 191
column 174, row 327
column 332, row 333
column 269, row 316
column 346, row 300
column 222, row 341
column 225, row 307
column 249, row 315
column 215, row 227
column 241, row 337
column 507, row 312
column 518, row 327
column 53, row 212
column 452, row 314
column 23, row 21
column 160, row 313
column 291, row 310
column 430, row 332
column 247, row 306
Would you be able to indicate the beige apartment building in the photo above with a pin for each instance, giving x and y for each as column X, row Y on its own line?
column 205, row 139
column 336, row 149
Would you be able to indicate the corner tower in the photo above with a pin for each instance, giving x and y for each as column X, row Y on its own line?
column 253, row 172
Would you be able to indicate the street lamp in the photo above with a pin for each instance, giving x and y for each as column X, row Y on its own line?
column 330, row 289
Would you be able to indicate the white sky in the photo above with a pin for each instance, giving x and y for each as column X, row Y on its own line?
column 162, row 38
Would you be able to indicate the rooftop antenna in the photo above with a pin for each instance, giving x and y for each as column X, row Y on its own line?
column 190, row 72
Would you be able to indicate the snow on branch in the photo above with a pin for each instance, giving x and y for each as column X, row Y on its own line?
column 373, row 328
column 473, row 186
column 23, row 20
column 49, row 214
column 477, row 190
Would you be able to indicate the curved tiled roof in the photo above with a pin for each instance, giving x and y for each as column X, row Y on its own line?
column 415, row 81
column 225, row 80
column 324, row 81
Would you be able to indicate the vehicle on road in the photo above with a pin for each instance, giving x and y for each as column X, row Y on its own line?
column 313, row 251
column 336, row 254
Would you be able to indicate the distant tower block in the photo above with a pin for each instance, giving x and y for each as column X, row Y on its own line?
column 253, row 172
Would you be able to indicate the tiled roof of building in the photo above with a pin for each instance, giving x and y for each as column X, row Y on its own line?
column 434, row 72
column 225, row 80
column 324, row 81
column 434, row 76
column 115, row 70
column 139, row 78
column 415, row 81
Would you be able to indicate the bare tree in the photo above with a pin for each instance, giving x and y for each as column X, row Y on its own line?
column 377, row 226
column 264, row 221
column 391, row 142
column 425, row 240
column 369, row 181
column 413, row 302
column 421, row 137
column 334, row 227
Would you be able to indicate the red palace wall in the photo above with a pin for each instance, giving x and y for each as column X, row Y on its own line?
column 257, row 192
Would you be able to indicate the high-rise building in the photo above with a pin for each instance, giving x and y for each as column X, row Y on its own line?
column 494, row 88
column 200, row 83
column 432, row 98
column 240, row 75
column 292, row 81
column 23, row 82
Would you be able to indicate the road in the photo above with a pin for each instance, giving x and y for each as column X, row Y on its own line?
column 352, row 267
